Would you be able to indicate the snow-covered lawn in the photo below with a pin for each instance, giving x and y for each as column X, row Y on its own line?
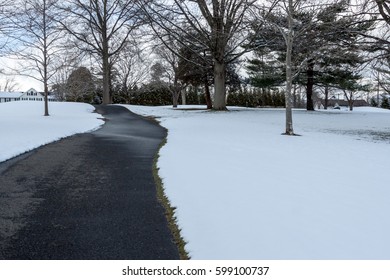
column 23, row 126
column 244, row 191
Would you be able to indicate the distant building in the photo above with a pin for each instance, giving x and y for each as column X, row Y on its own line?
column 30, row 95
column 333, row 102
column 10, row 96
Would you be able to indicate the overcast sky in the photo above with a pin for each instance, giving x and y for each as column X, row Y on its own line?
column 23, row 83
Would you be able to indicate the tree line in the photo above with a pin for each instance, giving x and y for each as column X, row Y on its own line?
column 105, row 50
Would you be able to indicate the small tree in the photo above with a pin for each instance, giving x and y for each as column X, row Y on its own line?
column 172, row 70
column 385, row 103
column 287, row 8
column 351, row 86
column 196, row 69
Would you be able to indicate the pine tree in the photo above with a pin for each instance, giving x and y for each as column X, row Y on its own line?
column 325, row 44
column 385, row 103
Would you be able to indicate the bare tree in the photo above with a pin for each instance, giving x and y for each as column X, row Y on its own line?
column 172, row 70
column 9, row 84
column 35, row 28
column 220, row 26
column 4, row 22
column 131, row 66
column 384, row 9
column 289, row 38
column 68, row 62
column 101, row 28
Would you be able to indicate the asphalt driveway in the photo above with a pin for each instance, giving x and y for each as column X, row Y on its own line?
column 90, row 196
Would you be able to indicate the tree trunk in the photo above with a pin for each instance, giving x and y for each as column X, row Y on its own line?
column 106, row 66
column 289, row 101
column 208, row 96
column 289, row 74
column 295, row 96
column 46, row 99
column 174, row 101
column 45, row 61
column 350, row 100
column 207, row 93
column 176, row 92
column 219, row 86
column 310, row 85
column 183, row 97
column 175, row 97
column 106, row 80
column 326, row 97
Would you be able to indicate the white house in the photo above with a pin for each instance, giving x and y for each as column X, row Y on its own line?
column 10, row 96
column 30, row 95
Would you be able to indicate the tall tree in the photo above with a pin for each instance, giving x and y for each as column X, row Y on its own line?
column 221, row 27
column 36, row 30
column 338, row 35
column 102, row 28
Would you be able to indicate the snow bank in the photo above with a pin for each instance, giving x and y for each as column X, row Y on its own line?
column 244, row 191
column 23, row 126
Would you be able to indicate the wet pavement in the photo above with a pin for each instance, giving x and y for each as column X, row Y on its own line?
column 89, row 196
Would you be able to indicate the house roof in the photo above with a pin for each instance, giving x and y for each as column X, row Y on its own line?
column 10, row 94
column 341, row 102
column 4, row 94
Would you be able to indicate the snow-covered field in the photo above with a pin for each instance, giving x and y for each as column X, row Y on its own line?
column 244, row 191
column 23, row 126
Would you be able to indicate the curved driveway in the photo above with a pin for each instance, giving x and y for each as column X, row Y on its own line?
column 90, row 196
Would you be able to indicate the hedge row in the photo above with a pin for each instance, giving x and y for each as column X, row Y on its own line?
column 158, row 96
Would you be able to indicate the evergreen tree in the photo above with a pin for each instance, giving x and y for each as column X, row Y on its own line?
column 326, row 43
column 385, row 103
column 80, row 86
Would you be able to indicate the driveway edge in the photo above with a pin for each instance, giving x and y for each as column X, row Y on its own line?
column 169, row 209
